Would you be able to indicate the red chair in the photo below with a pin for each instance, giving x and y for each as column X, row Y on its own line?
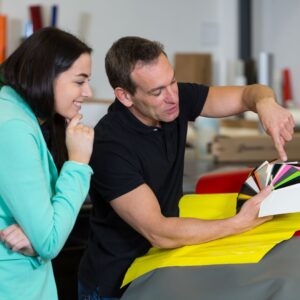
column 222, row 182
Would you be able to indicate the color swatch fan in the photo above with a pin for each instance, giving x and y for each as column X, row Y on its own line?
column 276, row 173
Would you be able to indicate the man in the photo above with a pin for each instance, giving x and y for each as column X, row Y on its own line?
column 138, row 161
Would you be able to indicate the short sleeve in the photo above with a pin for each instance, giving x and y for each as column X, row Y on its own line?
column 192, row 99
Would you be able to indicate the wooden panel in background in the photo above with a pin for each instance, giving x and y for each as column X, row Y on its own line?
column 193, row 67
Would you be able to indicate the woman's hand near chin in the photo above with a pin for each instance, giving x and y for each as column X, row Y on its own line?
column 79, row 140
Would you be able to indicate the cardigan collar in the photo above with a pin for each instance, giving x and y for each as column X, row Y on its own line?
column 9, row 94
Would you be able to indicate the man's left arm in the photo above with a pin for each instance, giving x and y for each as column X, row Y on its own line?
column 230, row 100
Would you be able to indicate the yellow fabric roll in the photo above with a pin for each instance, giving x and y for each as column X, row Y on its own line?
column 248, row 247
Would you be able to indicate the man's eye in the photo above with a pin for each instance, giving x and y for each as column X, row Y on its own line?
column 156, row 93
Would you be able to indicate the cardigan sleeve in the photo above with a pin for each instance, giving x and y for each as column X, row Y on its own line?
column 46, row 214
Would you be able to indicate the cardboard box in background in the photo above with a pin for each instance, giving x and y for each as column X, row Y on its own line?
column 251, row 148
column 193, row 67
column 239, row 127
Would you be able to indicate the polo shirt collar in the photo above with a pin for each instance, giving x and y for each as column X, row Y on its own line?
column 132, row 121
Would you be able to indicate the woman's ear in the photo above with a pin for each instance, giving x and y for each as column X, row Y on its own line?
column 123, row 96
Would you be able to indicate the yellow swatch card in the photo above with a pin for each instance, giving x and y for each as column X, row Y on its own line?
column 248, row 247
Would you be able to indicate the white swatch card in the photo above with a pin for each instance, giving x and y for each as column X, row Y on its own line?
column 281, row 201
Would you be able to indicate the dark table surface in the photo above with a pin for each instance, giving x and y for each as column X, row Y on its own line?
column 275, row 277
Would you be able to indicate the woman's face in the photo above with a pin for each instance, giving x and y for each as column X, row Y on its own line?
column 72, row 87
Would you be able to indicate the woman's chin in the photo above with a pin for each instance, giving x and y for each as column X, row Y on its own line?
column 70, row 116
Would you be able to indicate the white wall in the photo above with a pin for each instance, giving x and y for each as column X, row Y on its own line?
column 276, row 30
column 182, row 26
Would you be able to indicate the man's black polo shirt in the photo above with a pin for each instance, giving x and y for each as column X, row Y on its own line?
column 126, row 154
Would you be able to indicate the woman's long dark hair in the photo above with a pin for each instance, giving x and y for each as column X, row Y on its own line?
column 31, row 71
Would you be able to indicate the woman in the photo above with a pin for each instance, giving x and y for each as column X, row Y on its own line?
column 45, row 82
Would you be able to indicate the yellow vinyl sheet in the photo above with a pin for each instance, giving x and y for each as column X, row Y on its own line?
column 248, row 247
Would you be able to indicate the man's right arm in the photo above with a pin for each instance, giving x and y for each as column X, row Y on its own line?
column 140, row 209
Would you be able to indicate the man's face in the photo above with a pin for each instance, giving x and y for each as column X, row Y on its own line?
column 156, row 96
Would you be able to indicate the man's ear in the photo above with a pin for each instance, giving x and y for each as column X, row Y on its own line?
column 123, row 96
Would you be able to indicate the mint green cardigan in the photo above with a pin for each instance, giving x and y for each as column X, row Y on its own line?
column 32, row 195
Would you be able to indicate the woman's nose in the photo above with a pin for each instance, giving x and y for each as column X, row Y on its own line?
column 87, row 91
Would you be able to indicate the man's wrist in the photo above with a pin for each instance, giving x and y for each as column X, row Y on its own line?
column 235, row 225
